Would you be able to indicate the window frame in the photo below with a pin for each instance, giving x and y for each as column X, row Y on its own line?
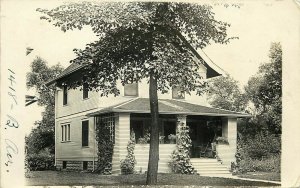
column 85, row 133
column 65, row 132
column 85, row 91
column 65, row 95
column 131, row 85
column 85, row 165
column 64, row 165
column 175, row 91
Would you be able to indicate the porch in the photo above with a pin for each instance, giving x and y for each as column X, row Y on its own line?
column 206, row 124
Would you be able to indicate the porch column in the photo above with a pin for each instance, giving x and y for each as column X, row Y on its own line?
column 122, row 136
column 229, row 131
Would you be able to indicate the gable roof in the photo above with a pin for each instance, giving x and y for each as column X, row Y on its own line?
column 69, row 70
column 212, row 69
column 167, row 106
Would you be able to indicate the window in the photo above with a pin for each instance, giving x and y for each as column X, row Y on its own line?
column 85, row 133
column 65, row 133
column 177, row 93
column 64, row 164
column 85, row 91
column 65, row 95
column 84, row 165
column 169, row 132
column 137, row 126
column 131, row 89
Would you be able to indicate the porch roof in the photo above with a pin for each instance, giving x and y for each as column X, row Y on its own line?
column 167, row 106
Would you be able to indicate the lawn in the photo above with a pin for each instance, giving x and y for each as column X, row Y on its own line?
column 271, row 176
column 46, row 178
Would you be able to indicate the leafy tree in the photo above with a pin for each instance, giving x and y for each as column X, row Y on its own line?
column 140, row 40
column 265, row 90
column 224, row 92
column 41, row 139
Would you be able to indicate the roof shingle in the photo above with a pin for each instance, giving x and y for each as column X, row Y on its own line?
column 168, row 106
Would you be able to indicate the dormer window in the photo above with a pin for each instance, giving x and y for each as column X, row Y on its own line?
column 85, row 91
column 177, row 93
column 65, row 95
column 131, row 89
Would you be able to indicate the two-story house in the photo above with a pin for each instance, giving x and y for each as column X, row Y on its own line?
column 79, row 111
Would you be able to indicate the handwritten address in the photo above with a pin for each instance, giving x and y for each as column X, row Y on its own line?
column 11, row 148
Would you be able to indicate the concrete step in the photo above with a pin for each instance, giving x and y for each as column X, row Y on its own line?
column 209, row 167
column 204, row 160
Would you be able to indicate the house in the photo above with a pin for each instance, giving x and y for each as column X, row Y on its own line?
column 78, row 112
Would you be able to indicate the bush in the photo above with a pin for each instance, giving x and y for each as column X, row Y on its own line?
column 127, row 165
column 44, row 160
column 180, row 159
column 261, row 153
column 271, row 164
column 261, row 146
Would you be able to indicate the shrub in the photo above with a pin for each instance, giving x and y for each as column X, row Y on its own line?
column 145, row 139
column 180, row 159
column 261, row 153
column 270, row 164
column 261, row 146
column 127, row 165
column 44, row 160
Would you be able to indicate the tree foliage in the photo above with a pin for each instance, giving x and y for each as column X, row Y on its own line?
column 224, row 92
column 265, row 90
column 39, row 75
column 140, row 40
column 40, row 141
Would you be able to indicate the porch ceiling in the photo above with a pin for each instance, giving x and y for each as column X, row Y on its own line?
column 168, row 106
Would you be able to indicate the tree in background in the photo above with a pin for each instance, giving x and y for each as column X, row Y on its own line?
column 259, row 142
column 40, row 142
column 224, row 92
column 141, row 40
column 264, row 90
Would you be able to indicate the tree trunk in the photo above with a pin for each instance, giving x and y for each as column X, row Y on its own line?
column 154, row 137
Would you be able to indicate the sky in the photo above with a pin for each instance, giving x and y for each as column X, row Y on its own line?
column 256, row 23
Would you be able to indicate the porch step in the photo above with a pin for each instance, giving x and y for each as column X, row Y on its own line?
column 210, row 167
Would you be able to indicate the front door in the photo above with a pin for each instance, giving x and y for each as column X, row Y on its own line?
column 202, row 136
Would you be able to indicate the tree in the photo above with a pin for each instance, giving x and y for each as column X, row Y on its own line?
column 41, row 138
column 140, row 40
column 264, row 90
column 224, row 92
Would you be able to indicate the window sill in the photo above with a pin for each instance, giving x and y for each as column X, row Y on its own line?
column 64, row 105
column 85, row 146
column 85, row 98
column 65, row 141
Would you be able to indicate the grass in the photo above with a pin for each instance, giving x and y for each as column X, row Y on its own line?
column 271, row 176
column 46, row 178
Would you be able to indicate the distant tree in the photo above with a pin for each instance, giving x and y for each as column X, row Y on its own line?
column 224, row 92
column 264, row 90
column 140, row 40
column 41, row 138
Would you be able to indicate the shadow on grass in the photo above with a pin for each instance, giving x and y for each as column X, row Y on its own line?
column 55, row 178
